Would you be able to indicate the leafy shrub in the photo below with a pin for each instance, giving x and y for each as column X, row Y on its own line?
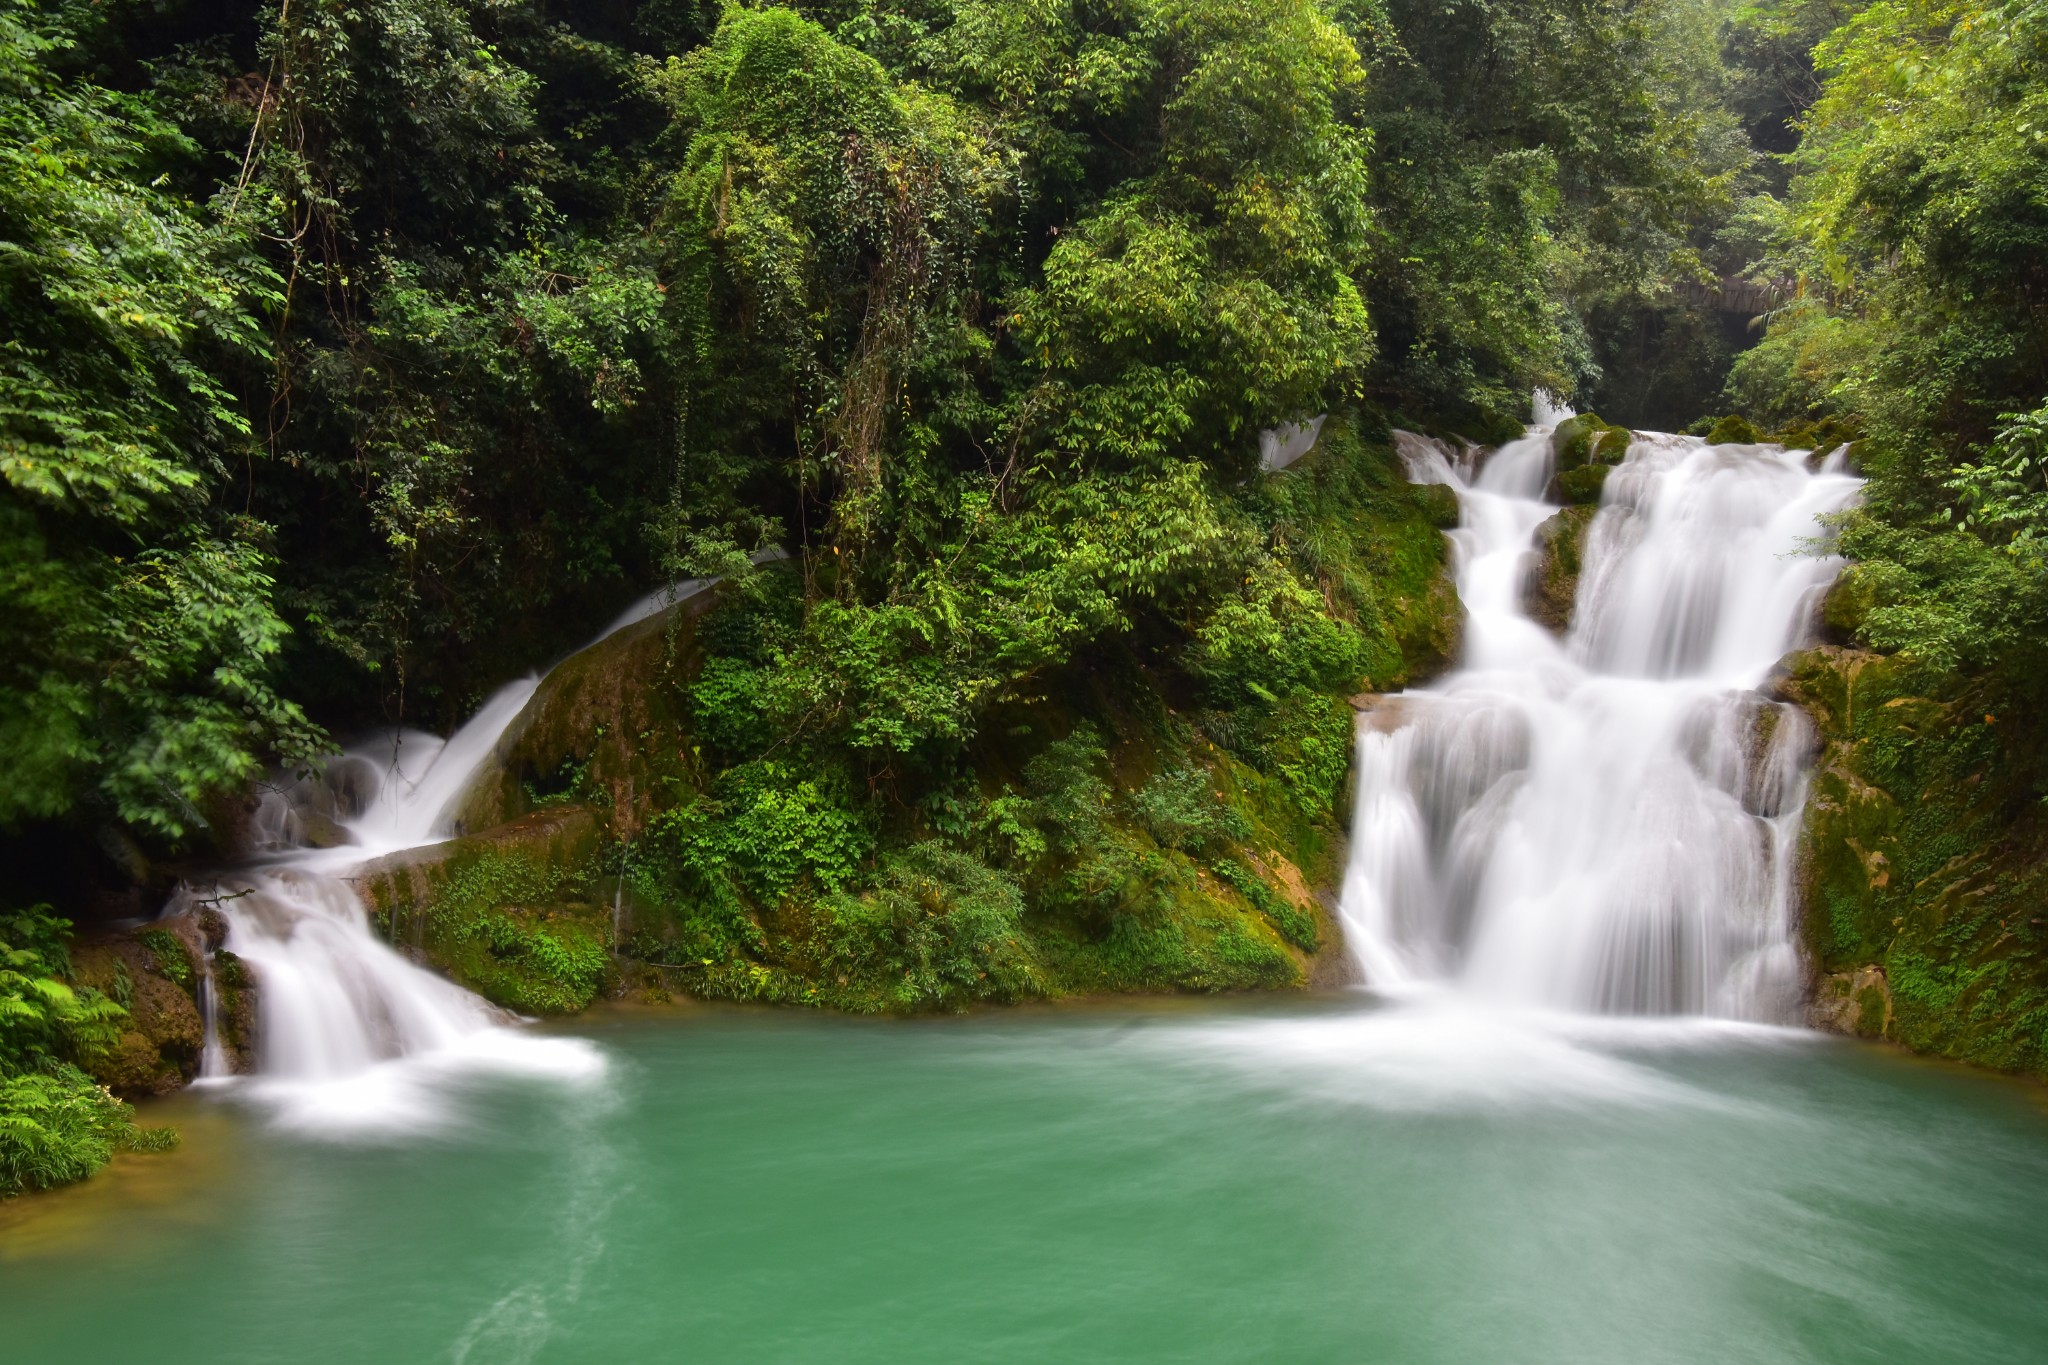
column 45, row 1023
column 937, row 929
column 761, row 831
column 56, row 1127
column 1272, row 639
column 726, row 701
column 1179, row 809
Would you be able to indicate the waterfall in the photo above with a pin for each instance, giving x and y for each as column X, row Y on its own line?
column 350, row 1034
column 1603, row 822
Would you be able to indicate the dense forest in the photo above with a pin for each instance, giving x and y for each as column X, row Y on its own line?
column 359, row 355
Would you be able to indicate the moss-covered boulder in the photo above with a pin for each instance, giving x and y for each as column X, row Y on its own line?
column 154, row 972
column 1822, row 437
column 1552, row 585
column 1583, row 449
column 1733, row 429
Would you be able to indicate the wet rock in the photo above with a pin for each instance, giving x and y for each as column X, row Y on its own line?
column 1857, row 1003
column 1552, row 584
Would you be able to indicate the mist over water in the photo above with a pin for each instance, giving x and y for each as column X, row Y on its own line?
column 1602, row 823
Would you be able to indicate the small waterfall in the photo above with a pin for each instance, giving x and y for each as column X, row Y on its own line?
column 213, row 1054
column 351, row 1034
column 1603, row 823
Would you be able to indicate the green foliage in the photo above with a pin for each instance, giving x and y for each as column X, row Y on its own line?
column 459, row 320
column 43, row 1021
column 1179, row 809
column 56, row 1124
column 56, row 1127
column 760, row 831
column 935, row 930
column 139, row 633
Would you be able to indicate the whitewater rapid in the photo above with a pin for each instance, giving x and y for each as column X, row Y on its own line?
column 1602, row 823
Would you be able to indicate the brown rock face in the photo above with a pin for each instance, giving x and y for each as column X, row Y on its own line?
column 159, row 1047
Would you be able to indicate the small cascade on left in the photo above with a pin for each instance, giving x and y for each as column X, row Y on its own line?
column 350, row 1035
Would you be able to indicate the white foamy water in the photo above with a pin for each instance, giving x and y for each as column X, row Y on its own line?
column 352, row 1036
column 1602, row 823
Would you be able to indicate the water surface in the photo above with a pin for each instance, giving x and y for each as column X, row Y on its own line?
column 1304, row 1181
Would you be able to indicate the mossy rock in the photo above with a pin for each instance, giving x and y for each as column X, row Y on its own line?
column 1732, row 430
column 151, row 972
column 608, row 726
column 1439, row 504
column 1583, row 449
column 1848, row 602
column 1923, row 859
column 1588, row 439
column 516, row 914
column 1552, row 586
column 1857, row 1002
column 1821, row 437
column 1580, row 487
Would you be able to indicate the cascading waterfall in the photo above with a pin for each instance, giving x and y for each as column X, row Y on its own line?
column 351, row 1033
column 1603, row 823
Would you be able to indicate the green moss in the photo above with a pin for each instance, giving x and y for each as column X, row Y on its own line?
column 516, row 917
column 1297, row 926
column 1581, row 486
column 1588, row 439
column 1925, row 855
column 1820, row 437
column 173, row 960
column 1732, row 430
column 1553, row 585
